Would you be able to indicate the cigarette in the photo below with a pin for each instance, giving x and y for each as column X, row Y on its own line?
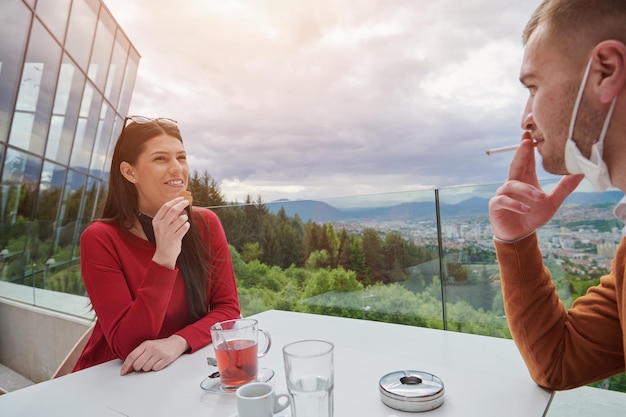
column 505, row 149
column 501, row 150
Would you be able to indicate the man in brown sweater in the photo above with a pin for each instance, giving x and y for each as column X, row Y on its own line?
column 574, row 67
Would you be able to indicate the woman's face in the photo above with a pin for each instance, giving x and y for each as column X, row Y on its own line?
column 160, row 173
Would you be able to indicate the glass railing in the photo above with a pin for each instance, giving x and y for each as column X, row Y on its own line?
column 423, row 258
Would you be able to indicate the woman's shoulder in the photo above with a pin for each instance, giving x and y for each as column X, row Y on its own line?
column 102, row 228
column 206, row 214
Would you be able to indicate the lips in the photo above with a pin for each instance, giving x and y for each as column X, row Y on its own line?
column 535, row 138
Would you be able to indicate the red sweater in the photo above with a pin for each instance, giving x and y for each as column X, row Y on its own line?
column 136, row 299
column 563, row 348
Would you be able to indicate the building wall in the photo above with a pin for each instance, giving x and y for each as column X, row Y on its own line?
column 34, row 341
column 67, row 71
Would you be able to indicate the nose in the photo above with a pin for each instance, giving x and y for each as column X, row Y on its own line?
column 176, row 166
column 528, row 123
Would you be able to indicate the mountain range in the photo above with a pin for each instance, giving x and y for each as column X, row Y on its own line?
column 319, row 211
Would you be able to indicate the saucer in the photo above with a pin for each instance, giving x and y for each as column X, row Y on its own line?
column 215, row 386
column 284, row 413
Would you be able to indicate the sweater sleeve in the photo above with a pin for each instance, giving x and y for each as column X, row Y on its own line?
column 562, row 348
column 222, row 288
column 129, row 312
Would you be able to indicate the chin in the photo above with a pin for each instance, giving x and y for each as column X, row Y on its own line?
column 556, row 169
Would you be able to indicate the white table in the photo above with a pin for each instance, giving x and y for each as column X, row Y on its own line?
column 483, row 376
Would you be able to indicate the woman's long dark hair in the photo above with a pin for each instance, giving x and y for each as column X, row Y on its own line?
column 121, row 206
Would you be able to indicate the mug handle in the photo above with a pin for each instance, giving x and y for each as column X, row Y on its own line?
column 278, row 406
column 268, row 343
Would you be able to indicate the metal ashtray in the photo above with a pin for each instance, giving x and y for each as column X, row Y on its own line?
column 412, row 391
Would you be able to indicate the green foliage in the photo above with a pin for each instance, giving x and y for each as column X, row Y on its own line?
column 251, row 251
column 598, row 225
column 321, row 281
column 205, row 190
column 318, row 259
column 615, row 383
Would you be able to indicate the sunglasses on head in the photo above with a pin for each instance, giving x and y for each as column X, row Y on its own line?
column 144, row 120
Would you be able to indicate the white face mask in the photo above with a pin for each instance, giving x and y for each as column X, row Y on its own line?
column 594, row 168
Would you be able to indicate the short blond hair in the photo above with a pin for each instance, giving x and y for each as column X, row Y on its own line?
column 575, row 21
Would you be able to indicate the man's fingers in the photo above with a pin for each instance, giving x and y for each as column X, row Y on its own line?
column 565, row 187
column 504, row 202
column 523, row 162
column 521, row 190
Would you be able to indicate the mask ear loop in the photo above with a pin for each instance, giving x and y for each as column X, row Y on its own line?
column 578, row 100
column 607, row 121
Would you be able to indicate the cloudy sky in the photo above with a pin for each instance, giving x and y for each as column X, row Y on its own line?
column 304, row 99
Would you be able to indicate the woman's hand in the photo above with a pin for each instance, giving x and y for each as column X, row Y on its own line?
column 154, row 355
column 520, row 206
column 170, row 225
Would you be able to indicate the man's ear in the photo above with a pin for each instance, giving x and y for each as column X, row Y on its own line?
column 610, row 60
column 128, row 172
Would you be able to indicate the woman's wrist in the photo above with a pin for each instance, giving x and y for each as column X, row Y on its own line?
column 164, row 261
column 182, row 342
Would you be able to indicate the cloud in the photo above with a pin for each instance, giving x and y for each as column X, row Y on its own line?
column 330, row 98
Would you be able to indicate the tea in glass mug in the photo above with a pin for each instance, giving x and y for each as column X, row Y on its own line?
column 236, row 350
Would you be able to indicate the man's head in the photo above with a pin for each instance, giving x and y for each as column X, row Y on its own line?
column 561, row 38
column 579, row 25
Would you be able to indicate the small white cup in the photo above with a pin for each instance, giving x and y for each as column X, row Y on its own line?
column 258, row 399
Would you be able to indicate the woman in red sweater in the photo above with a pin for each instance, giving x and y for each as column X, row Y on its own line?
column 158, row 272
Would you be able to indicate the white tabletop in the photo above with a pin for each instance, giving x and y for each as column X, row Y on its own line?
column 483, row 376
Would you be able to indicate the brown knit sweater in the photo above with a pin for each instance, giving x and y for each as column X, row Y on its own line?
column 562, row 348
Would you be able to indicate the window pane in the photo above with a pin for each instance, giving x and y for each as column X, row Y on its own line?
column 102, row 50
column 91, row 199
column 19, row 186
column 85, row 129
column 81, row 30
column 50, row 188
column 101, row 146
column 14, row 25
column 116, row 69
column 34, row 99
column 129, row 82
column 49, row 229
column 54, row 15
column 65, row 112
column 72, row 199
column 117, row 129
column 3, row 149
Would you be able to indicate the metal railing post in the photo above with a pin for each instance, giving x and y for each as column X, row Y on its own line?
column 441, row 273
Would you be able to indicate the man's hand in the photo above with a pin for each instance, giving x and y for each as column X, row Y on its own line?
column 154, row 355
column 520, row 206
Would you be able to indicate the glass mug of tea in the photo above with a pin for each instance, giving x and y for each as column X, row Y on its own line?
column 236, row 350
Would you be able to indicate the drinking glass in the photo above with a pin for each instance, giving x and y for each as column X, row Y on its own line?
column 236, row 350
column 309, row 370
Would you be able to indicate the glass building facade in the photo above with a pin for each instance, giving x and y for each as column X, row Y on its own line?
column 67, row 71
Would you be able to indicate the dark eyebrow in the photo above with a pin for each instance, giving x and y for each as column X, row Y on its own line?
column 160, row 152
